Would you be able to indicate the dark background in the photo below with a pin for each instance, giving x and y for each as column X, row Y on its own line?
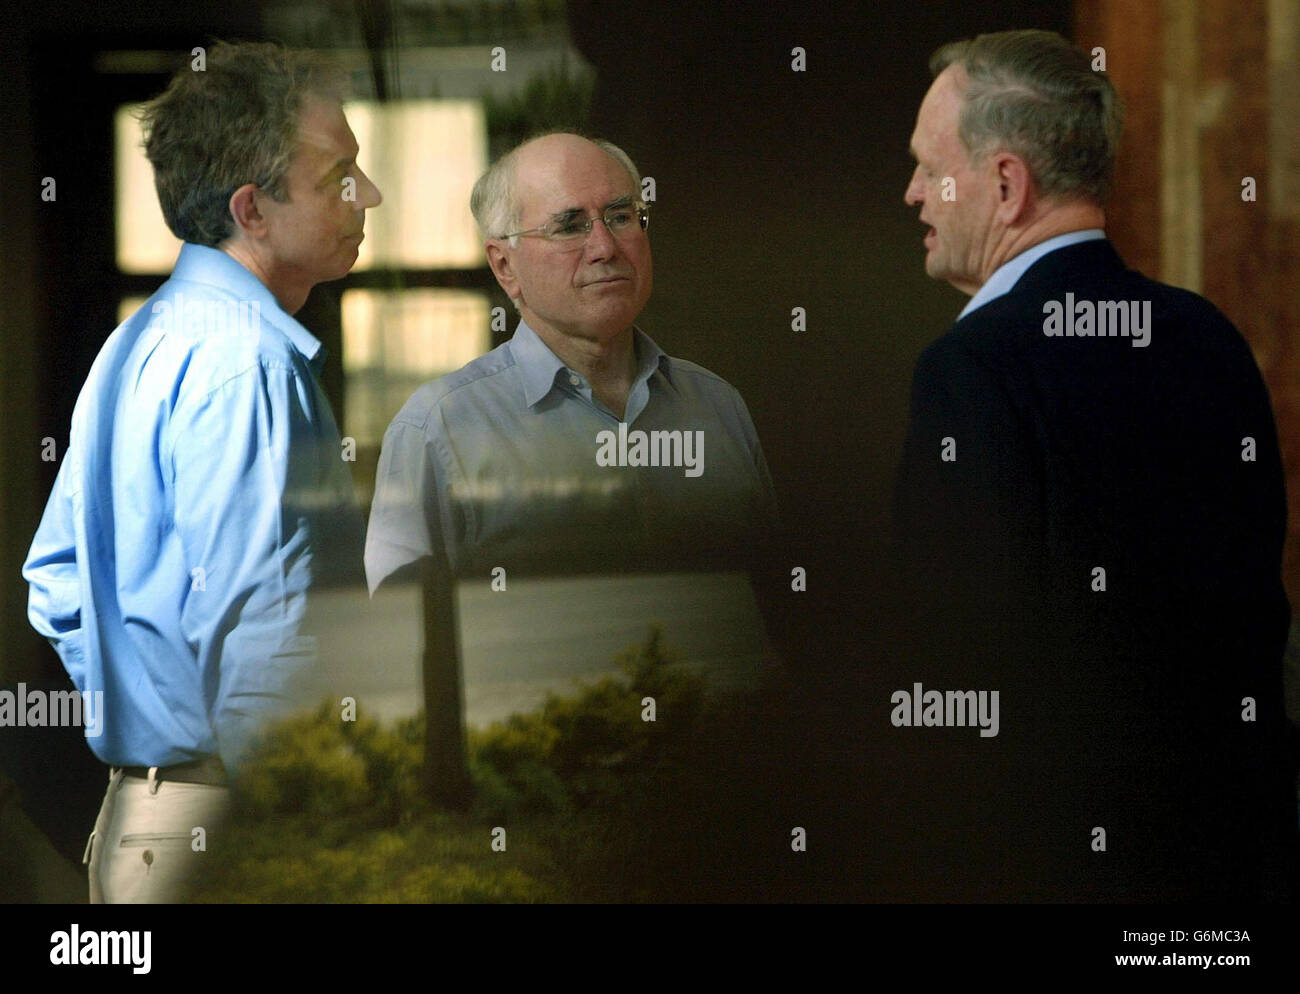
column 776, row 189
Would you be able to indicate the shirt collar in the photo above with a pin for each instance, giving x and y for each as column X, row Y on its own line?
column 1008, row 274
column 539, row 366
column 200, row 264
column 649, row 356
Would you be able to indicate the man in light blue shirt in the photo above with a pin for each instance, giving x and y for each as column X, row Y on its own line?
column 203, row 493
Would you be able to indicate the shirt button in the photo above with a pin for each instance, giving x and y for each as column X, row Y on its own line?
column 574, row 380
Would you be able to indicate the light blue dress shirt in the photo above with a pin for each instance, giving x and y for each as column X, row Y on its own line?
column 203, row 492
column 497, row 465
column 1008, row 274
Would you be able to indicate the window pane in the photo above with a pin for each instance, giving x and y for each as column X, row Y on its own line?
column 128, row 306
column 424, row 155
column 393, row 341
column 144, row 244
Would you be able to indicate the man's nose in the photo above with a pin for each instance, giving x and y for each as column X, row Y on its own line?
column 913, row 195
column 600, row 243
column 369, row 193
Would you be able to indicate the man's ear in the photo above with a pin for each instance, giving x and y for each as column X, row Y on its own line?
column 499, row 260
column 244, row 209
column 1015, row 187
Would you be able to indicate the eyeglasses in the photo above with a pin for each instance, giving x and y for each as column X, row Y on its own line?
column 621, row 221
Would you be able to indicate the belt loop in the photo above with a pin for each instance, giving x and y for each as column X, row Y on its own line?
column 153, row 780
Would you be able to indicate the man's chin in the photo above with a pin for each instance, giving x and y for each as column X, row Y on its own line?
column 349, row 260
column 944, row 274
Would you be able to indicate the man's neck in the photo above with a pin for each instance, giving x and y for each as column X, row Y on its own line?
column 1059, row 221
column 290, row 298
column 609, row 366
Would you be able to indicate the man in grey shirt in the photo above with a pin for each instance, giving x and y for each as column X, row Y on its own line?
column 579, row 440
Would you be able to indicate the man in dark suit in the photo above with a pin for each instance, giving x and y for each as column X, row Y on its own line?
column 1089, row 518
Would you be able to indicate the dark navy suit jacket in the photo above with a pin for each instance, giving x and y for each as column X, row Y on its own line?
column 1095, row 530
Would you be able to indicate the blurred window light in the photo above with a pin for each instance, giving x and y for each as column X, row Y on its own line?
column 144, row 243
column 393, row 341
column 424, row 156
column 128, row 306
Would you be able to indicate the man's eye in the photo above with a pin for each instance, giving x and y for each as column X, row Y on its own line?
column 619, row 219
column 564, row 229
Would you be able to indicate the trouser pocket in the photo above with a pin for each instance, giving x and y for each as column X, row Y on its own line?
column 148, row 842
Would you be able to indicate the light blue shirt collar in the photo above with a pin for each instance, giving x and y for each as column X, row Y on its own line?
column 212, row 267
column 1008, row 274
column 539, row 366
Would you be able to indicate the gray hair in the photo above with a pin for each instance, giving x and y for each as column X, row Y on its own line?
column 496, row 206
column 235, row 122
column 1036, row 95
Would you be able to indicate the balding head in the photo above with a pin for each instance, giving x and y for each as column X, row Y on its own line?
column 495, row 201
column 580, row 266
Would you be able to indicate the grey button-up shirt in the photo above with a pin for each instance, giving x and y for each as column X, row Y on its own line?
column 512, row 459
